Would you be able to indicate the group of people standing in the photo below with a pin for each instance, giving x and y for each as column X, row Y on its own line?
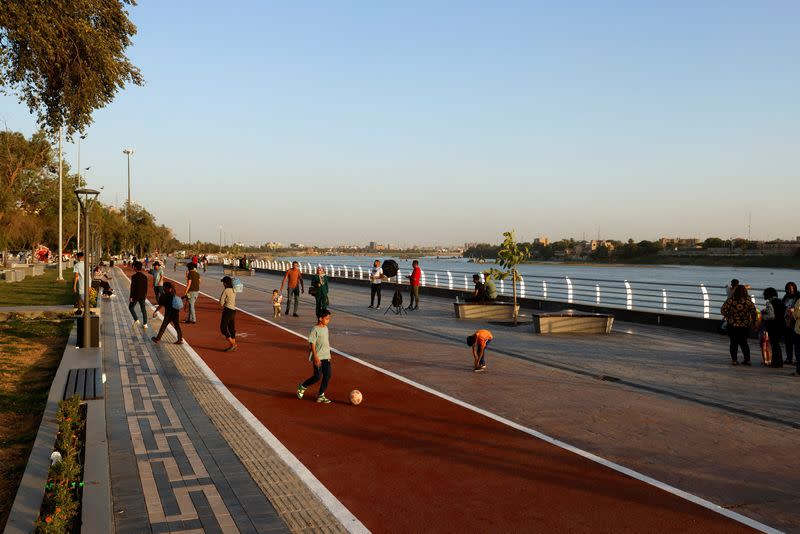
column 777, row 323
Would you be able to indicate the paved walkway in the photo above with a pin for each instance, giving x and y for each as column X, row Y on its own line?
column 182, row 458
column 678, row 411
column 661, row 401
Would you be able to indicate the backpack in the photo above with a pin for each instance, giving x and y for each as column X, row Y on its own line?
column 397, row 299
column 238, row 286
column 177, row 302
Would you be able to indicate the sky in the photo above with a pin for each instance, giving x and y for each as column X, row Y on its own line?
column 444, row 122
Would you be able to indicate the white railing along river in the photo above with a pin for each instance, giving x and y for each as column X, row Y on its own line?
column 690, row 300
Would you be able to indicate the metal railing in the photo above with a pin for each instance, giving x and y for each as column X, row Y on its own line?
column 689, row 300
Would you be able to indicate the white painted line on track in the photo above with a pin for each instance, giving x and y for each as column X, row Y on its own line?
column 336, row 508
column 752, row 523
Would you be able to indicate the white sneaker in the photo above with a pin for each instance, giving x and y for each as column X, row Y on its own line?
column 146, row 326
column 136, row 323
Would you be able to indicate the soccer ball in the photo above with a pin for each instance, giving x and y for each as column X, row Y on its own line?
column 355, row 397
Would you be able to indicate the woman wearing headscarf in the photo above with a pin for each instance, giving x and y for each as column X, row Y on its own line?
column 319, row 288
column 740, row 314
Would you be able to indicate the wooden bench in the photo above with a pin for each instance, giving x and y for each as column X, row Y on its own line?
column 484, row 310
column 571, row 322
column 86, row 383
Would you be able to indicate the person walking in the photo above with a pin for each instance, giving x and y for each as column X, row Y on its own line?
column 479, row 341
column 376, row 276
column 319, row 289
column 293, row 280
column 320, row 357
column 192, row 290
column 789, row 301
column 138, row 295
column 414, row 283
column 277, row 298
column 227, row 324
column 77, row 282
column 774, row 323
column 171, row 313
column 158, row 279
column 740, row 314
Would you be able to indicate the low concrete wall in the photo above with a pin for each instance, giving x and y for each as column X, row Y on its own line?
column 632, row 316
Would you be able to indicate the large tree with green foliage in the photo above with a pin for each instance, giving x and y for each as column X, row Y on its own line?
column 66, row 58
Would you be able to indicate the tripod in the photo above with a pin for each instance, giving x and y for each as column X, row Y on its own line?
column 397, row 303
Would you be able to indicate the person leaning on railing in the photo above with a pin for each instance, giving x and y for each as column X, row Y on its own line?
column 740, row 313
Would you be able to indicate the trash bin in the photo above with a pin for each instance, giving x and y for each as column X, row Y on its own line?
column 94, row 335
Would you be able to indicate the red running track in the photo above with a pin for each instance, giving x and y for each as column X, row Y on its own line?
column 409, row 461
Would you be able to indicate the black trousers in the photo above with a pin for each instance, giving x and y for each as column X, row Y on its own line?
column 374, row 289
column 132, row 309
column 171, row 316
column 323, row 370
column 739, row 337
column 227, row 324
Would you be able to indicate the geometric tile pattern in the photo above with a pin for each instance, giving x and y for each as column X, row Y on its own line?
column 172, row 475
column 182, row 458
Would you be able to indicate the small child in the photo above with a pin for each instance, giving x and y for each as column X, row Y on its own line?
column 478, row 341
column 277, row 298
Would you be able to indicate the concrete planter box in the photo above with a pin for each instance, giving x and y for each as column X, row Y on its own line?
column 238, row 272
column 572, row 322
column 13, row 275
column 493, row 310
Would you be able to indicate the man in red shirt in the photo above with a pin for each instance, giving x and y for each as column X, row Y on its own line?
column 414, row 281
column 294, row 282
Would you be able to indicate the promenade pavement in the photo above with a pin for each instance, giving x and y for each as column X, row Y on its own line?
column 182, row 458
column 662, row 401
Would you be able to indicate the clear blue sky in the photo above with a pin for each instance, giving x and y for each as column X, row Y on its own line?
column 443, row 122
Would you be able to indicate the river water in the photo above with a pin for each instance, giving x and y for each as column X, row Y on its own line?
column 712, row 277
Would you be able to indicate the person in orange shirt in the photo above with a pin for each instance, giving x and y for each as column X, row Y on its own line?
column 478, row 341
column 293, row 279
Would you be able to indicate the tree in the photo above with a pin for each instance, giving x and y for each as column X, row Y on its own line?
column 510, row 255
column 713, row 242
column 66, row 59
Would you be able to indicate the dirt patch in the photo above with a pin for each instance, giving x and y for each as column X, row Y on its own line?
column 30, row 351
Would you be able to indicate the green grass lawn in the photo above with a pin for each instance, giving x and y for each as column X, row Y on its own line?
column 41, row 290
column 30, row 351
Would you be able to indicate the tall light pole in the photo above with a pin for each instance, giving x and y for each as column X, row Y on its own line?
column 86, row 198
column 78, row 233
column 128, row 152
column 79, row 210
column 60, row 207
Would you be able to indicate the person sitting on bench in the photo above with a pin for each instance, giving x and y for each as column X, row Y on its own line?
column 484, row 291
column 478, row 292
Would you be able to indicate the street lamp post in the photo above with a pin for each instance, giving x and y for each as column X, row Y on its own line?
column 60, row 208
column 86, row 198
column 128, row 152
column 78, row 234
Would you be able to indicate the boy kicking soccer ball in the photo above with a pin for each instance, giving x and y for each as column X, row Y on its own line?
column 478, row 342
column 319, row 356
